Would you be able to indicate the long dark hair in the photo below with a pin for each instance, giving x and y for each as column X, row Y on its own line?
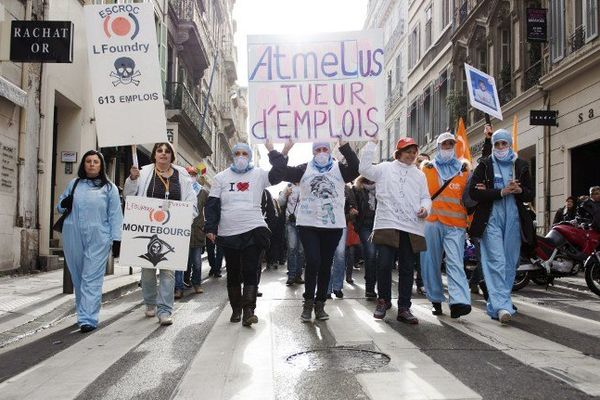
column 102, row 179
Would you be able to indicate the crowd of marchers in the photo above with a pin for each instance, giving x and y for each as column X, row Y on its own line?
column 410, row 214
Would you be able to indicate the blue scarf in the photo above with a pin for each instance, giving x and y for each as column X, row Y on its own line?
column 505, row 168
column 447, row 169
column 324, row 168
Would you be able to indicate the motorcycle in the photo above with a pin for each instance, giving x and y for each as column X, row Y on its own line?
column 568, row 248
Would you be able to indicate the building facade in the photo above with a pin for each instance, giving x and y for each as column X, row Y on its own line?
column 560, row 74
column 391, row 17
column 203, row 105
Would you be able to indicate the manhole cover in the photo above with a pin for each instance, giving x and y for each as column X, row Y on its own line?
column 339, row 358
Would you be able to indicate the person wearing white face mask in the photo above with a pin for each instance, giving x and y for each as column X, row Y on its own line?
column 234, row 221
column 320, row 214
column 501, row 184
column 445, row 229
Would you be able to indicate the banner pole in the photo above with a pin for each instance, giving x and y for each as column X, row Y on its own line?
column 134, row 155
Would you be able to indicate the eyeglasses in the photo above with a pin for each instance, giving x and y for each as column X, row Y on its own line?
column 240, row 153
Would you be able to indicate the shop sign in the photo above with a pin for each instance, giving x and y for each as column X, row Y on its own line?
column 543, row 117
column 536, row 24
column 41, row 41
column 8, row 168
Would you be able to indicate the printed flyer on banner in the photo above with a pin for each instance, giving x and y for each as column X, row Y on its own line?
column 316, row 88
column 156, row 233
column 125, row 72
column 483, row 94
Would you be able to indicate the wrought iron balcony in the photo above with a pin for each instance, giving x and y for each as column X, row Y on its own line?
column 533, row 75
column 190, row 33
column 392, row 101
column 577, row 39
column 187, row 112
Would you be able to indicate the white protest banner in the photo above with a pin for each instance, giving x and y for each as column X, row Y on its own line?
column 156, row 233
column 125, row 73
column 483, row 94
column 316, row 88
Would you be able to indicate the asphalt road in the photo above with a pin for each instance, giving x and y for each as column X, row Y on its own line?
column 549, row 351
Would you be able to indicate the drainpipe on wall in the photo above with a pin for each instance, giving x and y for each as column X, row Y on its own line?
column 547, row 167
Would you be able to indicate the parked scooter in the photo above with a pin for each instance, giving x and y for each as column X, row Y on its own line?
column 568, row 248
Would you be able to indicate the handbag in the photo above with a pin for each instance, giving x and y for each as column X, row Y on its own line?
column 58, row 225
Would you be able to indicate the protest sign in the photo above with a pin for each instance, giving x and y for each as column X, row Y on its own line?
column 316, row 88
column 483, row 94
column 156, row 233
column 125, row 74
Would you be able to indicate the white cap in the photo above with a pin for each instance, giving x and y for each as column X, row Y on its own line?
column 445, row 136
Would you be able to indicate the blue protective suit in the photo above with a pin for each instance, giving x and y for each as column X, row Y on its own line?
column 501, row 243
column 88, row 233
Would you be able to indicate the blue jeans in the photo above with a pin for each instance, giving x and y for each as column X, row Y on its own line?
column 295, row 256
column 368, row 249
column 451, row 240
column 386, row 258
column 339, row 264
column 215, row 256
column 195, row 265
column 164, row 298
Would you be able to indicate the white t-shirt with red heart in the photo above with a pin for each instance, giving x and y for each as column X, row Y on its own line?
column 240, row 196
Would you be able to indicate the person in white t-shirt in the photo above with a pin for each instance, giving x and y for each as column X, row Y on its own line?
column 234, row 221
column 403, row 203
column 319, row 216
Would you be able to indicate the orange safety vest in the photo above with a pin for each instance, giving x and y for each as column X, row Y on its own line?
column 447, row 207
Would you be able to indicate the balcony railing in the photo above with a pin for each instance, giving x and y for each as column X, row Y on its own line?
column 187, row 10
column 577, row 39
column 395, row 38
column 394, row 98
column 505, row 94
column 179, row 98
column 533, row 75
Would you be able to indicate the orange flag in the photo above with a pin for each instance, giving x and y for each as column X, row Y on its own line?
column 462, row 146
column 515, row 133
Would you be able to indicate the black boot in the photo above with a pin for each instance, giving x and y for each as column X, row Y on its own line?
column 249, row 304
column 235, row 300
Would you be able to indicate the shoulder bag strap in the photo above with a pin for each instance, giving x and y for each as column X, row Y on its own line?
column 440, row 190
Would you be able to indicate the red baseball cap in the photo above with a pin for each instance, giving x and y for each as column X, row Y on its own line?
column 405, row 142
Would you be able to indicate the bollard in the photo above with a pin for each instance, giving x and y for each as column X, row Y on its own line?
column 67, row 282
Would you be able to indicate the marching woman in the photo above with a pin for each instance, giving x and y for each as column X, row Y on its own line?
column 234, row 221
column 160, row 180
column 403, row 203
column 320, row 215
column 501, row 184
column 93, row 224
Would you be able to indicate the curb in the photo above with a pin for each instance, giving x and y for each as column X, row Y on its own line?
column 62, row 311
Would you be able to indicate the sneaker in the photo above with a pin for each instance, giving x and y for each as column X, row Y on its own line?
column 404, row 315
column 165, row 320
column 150, row 311
column 198, row 289
column 381, row 307
column 504, row 316
column 299, row 280
column 85, row 328
column 370, row 294
column 436, row 308
column 320, row 313
column 178, row 294
column 307, row 310
column 290, row 281
column 338, row 293
column 458, row 310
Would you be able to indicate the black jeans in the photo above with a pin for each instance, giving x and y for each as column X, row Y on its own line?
column 243, row 265
column 319, row 246
column 386, row 258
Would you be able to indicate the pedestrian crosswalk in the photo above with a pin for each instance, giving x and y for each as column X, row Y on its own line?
column 441, row 358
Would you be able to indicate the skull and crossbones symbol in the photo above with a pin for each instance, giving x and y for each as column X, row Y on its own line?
column 125, row 72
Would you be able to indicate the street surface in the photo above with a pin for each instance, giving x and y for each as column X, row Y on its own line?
column 549, row 351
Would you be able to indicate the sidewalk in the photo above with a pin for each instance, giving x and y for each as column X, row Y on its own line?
column 30, row 303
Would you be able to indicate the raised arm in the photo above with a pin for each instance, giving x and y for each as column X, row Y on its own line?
column 349, row 169
column 366, row 167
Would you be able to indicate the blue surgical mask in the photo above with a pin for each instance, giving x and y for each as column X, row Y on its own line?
column 241, row 163
column 446, row 155
column 501, row 154
column 322, row 159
